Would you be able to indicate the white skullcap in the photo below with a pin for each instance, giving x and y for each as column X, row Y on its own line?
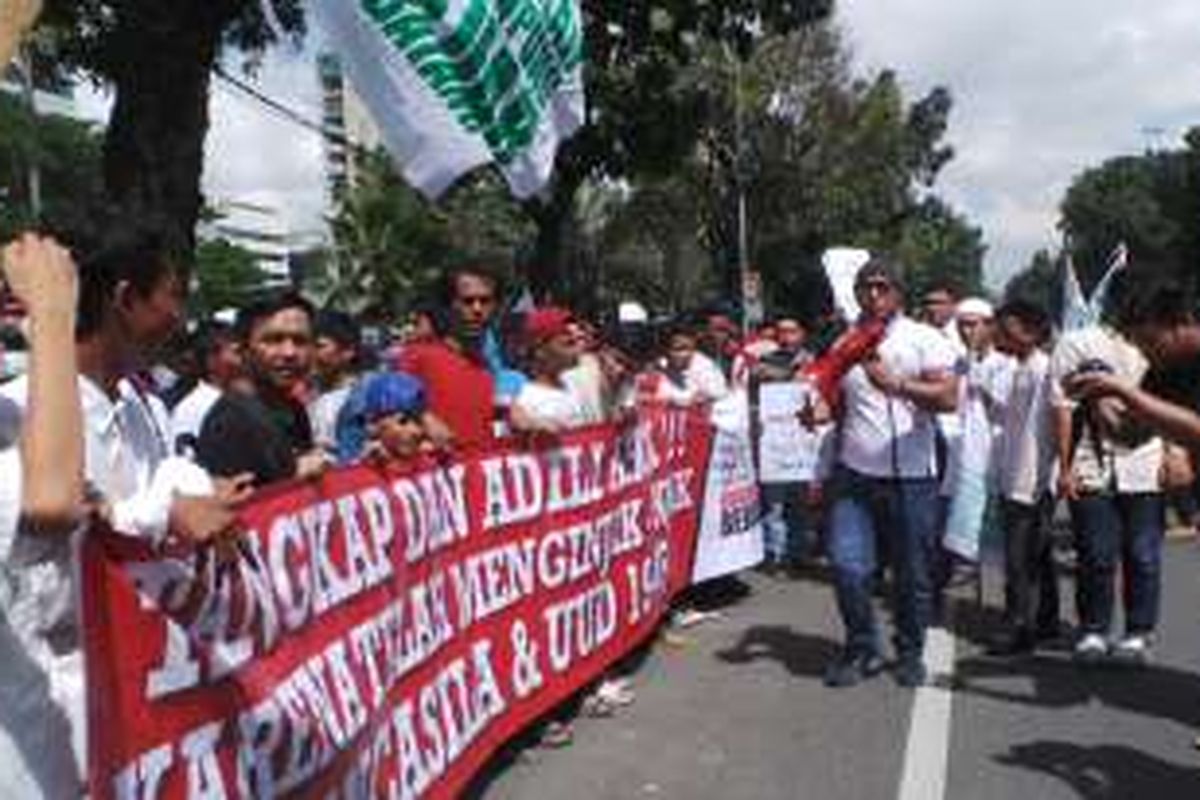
column 974, row 307
column 632, row 313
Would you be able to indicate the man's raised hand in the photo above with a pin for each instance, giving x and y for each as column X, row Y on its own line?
column 42, row 275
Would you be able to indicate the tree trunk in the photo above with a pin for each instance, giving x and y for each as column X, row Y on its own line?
column 164, row 52
column 547, row 272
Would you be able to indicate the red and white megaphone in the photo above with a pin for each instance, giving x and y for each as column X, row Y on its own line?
column 825, row 373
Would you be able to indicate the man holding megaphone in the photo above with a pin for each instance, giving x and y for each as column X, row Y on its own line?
column 885, row 489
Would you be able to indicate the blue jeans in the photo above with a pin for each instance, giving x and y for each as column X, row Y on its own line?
column 788, row 534
column 900, row 515
column 1128, row 527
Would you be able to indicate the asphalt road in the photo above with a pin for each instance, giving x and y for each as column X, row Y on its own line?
column 737, row 710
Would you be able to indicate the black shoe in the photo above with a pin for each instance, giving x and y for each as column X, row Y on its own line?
column 1048, row 632
column 852, row 667
column 910, row 672
column 1017, row 643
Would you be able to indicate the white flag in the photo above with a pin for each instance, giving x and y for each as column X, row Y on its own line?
column 841, row 266
column 455, row 84
column 1076, row 313
column 1116, row 263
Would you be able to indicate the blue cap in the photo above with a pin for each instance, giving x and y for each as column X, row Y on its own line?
column 392, row 393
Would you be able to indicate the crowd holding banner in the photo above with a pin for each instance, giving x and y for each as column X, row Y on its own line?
column 390, row 628
column 291, row 573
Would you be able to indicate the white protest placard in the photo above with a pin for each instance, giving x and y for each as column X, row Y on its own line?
column 787, row 451
column 730, row 537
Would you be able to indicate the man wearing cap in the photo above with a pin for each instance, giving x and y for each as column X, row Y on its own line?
column 546, row 403
column 885, row 487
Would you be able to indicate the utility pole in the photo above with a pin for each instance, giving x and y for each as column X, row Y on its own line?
column 740, row 179
column 29, row 92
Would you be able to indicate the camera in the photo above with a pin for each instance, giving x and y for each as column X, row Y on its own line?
column 1093, row 366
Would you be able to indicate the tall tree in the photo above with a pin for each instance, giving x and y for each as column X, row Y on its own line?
column 391, row 244
column 829, row 159
column 643, row 120
column 824, row 158
column 67, row 155
column 158, row 57
column 1151, row 202
column 227, row 276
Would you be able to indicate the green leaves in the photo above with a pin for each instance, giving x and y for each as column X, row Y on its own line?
column 391, row 245
column 66, row 152
column 226, row 275
column 1151, row 202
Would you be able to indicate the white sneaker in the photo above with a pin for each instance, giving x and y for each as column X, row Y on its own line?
column 1091, row 648
column 1133, row 649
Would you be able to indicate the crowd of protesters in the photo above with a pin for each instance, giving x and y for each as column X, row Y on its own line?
column 96, row 428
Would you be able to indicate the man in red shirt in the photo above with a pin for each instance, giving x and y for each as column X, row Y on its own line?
column 459, row 384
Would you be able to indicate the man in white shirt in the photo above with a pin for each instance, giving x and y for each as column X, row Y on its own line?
column 1024, row 458
column 985, row 379
column 984, row 375
column 1110, row 468
column 545, row 403
column 129, row 303
column 218, row 351
column 41, row 486
column 691, row 376
column 886, row 486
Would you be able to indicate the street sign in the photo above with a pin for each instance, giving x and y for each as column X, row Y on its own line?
column 752, row 298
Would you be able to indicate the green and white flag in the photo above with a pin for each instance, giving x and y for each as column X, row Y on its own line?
column 454, row 84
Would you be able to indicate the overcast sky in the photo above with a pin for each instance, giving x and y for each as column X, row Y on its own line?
column 1042, row 89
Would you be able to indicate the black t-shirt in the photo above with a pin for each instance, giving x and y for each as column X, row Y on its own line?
column 244, row 434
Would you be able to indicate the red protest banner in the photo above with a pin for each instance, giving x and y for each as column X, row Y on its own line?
column 386, row 630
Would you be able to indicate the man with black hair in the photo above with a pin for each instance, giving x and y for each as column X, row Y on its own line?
column 722, row 339
column 337, row 357
column 938, row 306
column 1023, row 459
column 218, row 352
column 689, row 376
column 1157, row 313
column 261, row 426
column 460, row 386
column 789, row 530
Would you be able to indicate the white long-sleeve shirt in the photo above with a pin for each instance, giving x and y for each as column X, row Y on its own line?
column 127, row 462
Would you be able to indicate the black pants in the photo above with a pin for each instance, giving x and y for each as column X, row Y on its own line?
column 1029, row 566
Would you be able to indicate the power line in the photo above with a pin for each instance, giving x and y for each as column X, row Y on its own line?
column 291, row 115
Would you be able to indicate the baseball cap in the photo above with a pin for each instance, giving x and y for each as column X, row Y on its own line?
column 542, row 324
column 390, row 393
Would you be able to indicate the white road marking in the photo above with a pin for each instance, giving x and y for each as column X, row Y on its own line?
column 926, row 756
